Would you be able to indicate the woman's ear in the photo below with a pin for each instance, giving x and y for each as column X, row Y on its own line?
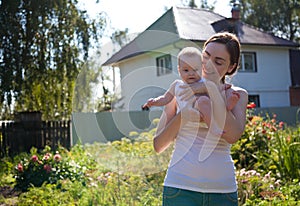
column 231, row 67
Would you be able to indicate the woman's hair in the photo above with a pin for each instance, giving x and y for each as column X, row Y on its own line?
column 232, row 45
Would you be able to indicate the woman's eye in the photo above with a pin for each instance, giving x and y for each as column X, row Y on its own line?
column 218, row 63
column 205, row 57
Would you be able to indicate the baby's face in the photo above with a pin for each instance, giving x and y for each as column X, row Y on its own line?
column 189, row 69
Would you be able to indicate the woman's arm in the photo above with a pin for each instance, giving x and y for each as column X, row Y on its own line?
column 236, row 119
column 167, row 128
column 170, row 124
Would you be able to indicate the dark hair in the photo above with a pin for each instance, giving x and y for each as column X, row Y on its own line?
column 232, row 45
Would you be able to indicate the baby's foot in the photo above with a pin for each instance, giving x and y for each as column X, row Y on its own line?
column 232, row 100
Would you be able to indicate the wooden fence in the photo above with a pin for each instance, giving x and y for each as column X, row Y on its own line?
column 16, row 137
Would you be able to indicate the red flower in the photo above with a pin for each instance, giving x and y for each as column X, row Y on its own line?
column 57, row 157
column 251, row 105
column 34, row 158
column 281, row 124
column 20, row 167
column 47, row 168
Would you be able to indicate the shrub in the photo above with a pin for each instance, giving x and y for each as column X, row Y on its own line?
column 268, row 145
column 47, row 167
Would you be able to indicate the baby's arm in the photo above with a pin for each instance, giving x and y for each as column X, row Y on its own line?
column 162, row 100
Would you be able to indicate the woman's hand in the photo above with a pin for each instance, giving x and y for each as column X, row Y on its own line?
column 191, row 89
column 190, row 114
column 197, row 88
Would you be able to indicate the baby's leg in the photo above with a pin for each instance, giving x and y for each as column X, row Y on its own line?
column 203, row 104
column 217, row 121
column 232, row 100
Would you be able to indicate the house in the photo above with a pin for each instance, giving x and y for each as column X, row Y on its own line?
column 269, row 70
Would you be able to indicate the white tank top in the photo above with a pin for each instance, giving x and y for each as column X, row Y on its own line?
column 215, row 174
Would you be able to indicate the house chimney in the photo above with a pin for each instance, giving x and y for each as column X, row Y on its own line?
column 235, row 11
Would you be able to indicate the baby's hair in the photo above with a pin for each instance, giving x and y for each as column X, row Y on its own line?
column 189, row 52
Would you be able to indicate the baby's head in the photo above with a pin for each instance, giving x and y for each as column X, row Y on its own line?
column 190, row 64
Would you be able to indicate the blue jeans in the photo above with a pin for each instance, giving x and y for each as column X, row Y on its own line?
column 177, row 197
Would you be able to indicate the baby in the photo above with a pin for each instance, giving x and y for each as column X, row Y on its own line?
column 190, row 68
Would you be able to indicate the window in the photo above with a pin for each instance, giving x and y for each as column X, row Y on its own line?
column 164, row 64
column 248, row 62
column 254, row 99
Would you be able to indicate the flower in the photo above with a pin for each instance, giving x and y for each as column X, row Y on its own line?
column 47, row 168
column 34, row 158
column 281, row 124
column 251, row 105
column 57, row 157
column 47, row 156
column 20, row 167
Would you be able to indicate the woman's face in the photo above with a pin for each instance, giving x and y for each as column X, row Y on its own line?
column 216, row 62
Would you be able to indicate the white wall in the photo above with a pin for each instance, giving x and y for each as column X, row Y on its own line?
column 140, row 81
column 272, row 79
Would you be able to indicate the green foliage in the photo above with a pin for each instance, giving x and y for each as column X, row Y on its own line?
column 279, row 17
column 267, row 145
column 43, row 44
column 129, row 172
column 257, row 189
column 267, row 158
column 37, row 169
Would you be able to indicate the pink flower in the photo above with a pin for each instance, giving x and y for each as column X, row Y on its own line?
column 47, row 156
column 57, row 157
column 47, row 168
column 34, row 158
column 281, row 124
column 20, row 167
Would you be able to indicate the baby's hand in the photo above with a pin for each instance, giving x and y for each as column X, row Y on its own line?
column 149, row 103
column 225, row 86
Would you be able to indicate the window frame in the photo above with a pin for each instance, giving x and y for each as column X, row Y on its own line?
column 163, row 65
column 254, row 98
column 242, row 62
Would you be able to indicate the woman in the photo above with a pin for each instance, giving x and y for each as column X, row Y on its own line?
column 190, row 181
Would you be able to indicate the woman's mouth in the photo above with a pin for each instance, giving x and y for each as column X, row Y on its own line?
column 208, row 71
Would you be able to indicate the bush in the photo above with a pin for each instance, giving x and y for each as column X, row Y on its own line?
column 269, row 145
column 267, row 158
column 47, row 167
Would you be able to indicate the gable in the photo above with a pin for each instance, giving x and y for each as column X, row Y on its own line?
column 195, row 25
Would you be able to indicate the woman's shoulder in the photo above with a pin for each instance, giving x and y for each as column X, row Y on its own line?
column 242, row 92
column 238, row 89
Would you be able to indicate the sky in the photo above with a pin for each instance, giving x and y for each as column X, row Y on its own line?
column 137, row 15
